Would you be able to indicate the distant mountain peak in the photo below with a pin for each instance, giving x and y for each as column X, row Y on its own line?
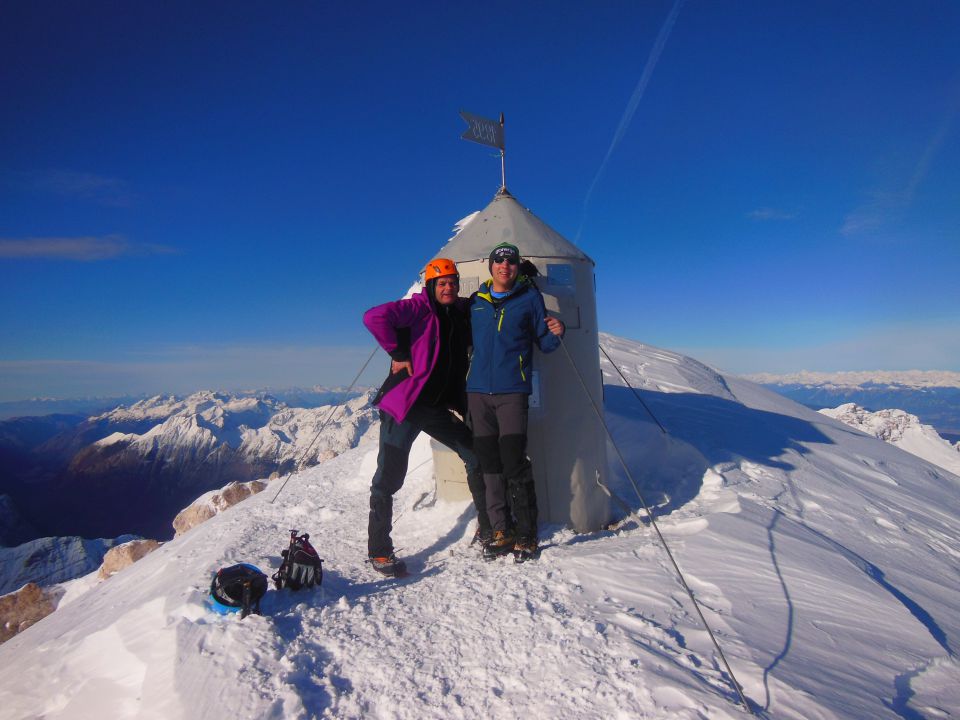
column 856, row 379
column 901, row 429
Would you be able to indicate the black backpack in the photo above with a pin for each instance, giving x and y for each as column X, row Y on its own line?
column 301, row 566
column 238, row 588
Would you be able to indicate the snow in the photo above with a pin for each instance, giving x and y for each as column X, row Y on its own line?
column 51, row 560
column 903, row 430
column 259, row 428
column 826, row 562
column 116, row 437
column 855, row 379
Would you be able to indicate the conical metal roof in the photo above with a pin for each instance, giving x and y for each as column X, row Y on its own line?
column 506, row 220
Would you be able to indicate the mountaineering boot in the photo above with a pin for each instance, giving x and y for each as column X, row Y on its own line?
column 482, row 536
column 500, row 544
column 389, row 565
column 525, row 549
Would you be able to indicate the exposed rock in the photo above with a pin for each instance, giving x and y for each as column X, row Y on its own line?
column 22, row 608
column 901, row 429
column 121, row 556
column 213, row 503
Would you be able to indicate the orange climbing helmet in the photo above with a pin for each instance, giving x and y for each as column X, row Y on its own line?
column 439, row 267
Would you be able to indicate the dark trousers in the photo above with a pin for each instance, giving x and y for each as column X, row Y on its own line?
column 499, row 425
column 395, row 441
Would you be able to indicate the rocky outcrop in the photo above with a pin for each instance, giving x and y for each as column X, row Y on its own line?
column 121, row 556
column 901, row 429
column 213, row 503
column 21, row 609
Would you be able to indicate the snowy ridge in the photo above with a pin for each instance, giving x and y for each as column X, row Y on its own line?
column 223, row 438
column 660, row 370
column 290, row 432
column 825, row 560
column 903, row 430
column 255, row 427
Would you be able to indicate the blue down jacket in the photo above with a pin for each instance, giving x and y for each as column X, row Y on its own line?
column 504, row 331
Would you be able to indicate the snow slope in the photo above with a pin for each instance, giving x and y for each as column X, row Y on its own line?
column 903, row 430
column 825, row 560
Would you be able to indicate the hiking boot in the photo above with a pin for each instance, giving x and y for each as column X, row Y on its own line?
column 500, row 544
column 525, row 549
column 389, row 565
column 482, row 536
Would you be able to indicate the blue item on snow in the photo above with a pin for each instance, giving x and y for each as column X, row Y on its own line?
column 238, row 588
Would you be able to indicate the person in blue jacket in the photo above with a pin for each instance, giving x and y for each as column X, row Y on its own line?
column 508, row 317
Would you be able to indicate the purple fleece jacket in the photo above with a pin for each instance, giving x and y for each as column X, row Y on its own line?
column 418, row 314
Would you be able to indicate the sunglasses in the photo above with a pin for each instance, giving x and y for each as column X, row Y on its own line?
column 511, row 260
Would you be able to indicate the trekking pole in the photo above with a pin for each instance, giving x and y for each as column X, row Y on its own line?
column 653, row 522
column 636, row 394
column 296, row 465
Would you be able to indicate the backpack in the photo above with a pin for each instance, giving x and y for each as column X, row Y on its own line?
column 301, row 566
column 238, row 588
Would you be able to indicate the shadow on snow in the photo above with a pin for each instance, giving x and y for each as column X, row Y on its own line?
column 703, row 431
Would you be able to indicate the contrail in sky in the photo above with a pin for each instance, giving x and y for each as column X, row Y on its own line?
column 655, row 53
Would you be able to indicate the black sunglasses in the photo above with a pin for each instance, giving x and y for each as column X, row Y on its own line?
column 498, row 260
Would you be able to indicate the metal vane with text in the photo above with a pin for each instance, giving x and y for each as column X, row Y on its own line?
column 483, row 130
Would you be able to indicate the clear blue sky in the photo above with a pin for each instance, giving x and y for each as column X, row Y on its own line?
column 210, row 194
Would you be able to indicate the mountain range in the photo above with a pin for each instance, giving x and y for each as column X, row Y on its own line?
column 824, row 560
column 131, row 469
column 933, row 396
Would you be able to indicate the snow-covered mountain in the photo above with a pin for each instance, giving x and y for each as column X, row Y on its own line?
column 37, row 407
column 48, row 561
column 131, row 469
column 825, row 560
column 933, row 396
column 903, row 430
column 214, row 429
column 914, row 379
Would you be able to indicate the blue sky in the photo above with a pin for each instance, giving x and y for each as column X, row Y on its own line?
column 210, row 194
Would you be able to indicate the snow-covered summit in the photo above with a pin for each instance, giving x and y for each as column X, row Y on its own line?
column 208, row 404
column 825, row 560
column 903, row 430
column 888, row 425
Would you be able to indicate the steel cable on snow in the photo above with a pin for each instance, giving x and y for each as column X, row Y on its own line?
column 653, row 522
column 303, row 456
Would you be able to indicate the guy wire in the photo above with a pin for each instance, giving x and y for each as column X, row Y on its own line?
column 303, row 456
column 656, row 527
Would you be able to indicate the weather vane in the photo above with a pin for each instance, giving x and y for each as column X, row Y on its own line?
column 486, row 132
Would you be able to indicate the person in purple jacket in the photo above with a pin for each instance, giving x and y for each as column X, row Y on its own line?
column 427, row 337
